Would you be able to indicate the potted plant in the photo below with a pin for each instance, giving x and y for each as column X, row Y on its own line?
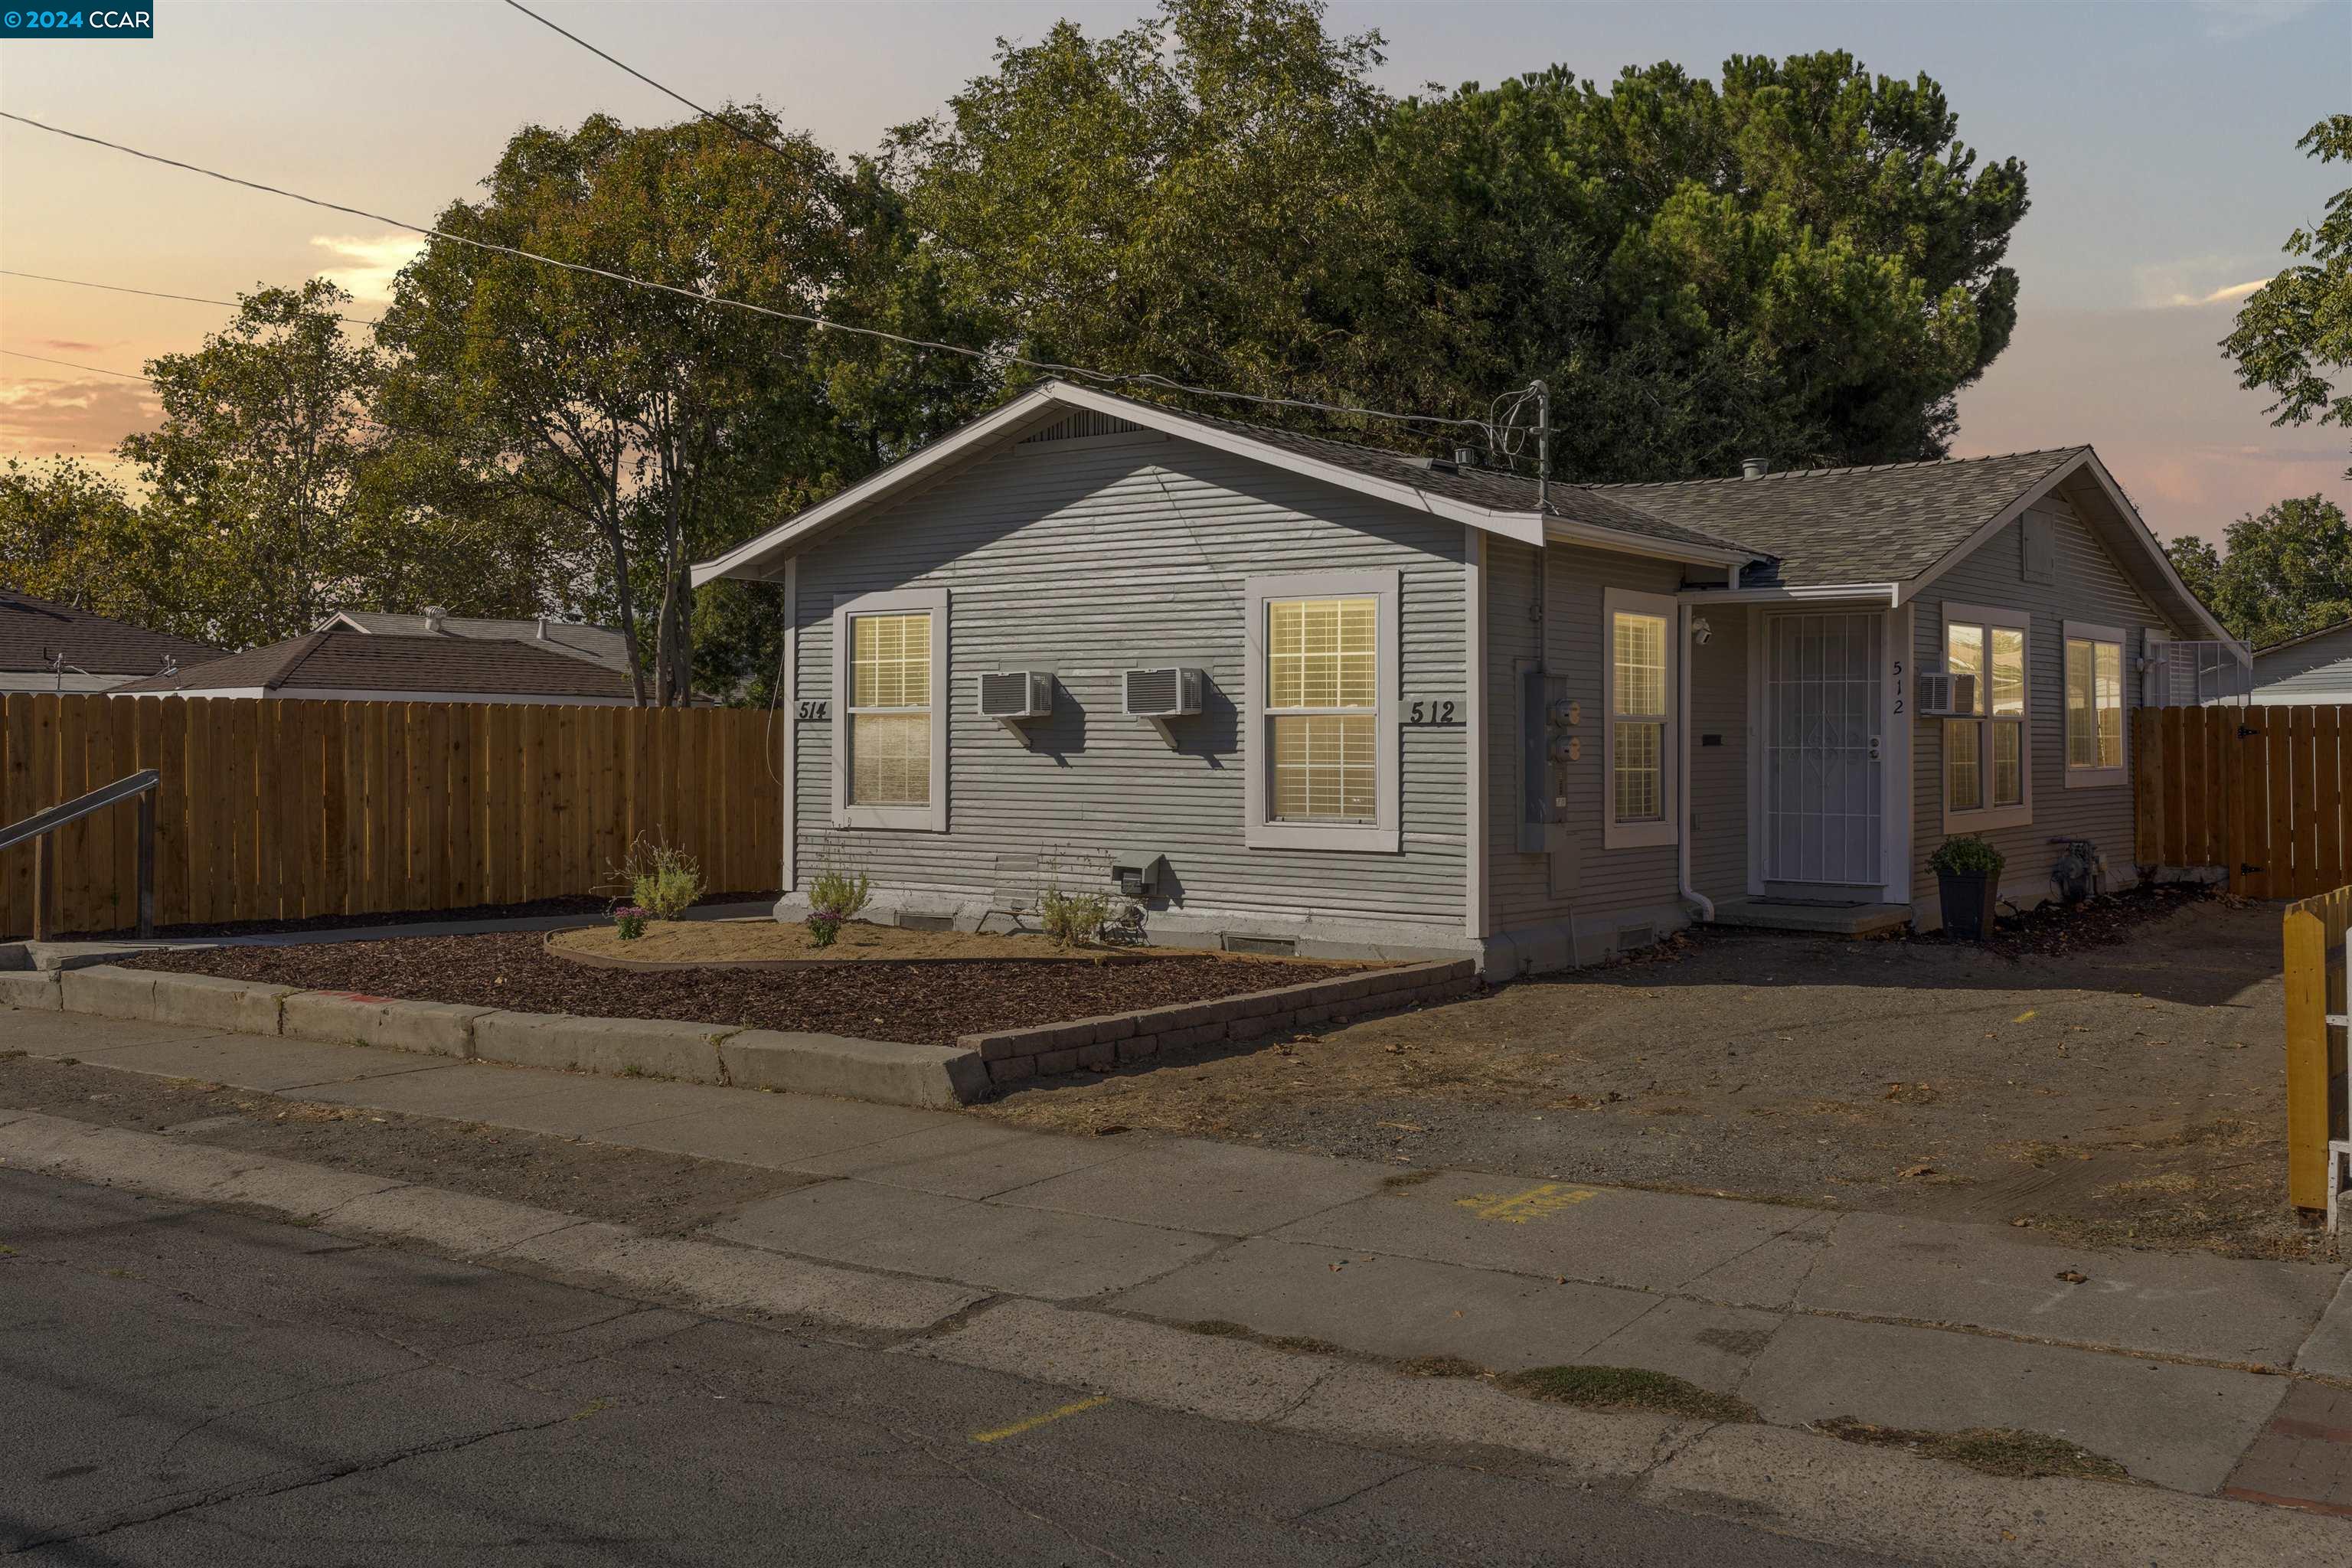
column 1967, row 875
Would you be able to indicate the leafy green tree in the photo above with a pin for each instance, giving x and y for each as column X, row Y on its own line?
column 54, row 520
column 2285, row 571
column 1804, row 261
column 2293, row 334
column 1197, row 196
column 651, row 428
column 250, row 473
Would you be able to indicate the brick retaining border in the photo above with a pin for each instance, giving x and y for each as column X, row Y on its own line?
column 1103, row 1043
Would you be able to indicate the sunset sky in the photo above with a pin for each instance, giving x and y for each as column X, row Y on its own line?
column 2158, row 140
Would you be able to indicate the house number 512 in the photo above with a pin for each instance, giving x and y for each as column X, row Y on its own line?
column 1433, row 713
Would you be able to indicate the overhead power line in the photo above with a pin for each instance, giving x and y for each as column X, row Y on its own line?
column 737, row 126
column 1107, row 378
column 155, row 293
column 93, row 368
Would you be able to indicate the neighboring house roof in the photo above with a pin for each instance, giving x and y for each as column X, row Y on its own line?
column 323, row 663
column 1891, row 528
column 600, row 644
column 2285, row 643
column 32, row 630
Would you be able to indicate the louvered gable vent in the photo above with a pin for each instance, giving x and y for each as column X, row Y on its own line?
column 1085, row 422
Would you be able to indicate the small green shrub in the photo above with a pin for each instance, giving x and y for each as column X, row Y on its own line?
column 1073, row 919
column 662, row 881
column 632, row 921
column 835, row 897
column 1967, row 856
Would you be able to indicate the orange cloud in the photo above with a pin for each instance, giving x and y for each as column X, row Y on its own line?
column 41, row 418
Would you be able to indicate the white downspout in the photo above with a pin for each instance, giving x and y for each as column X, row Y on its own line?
column 1682, row 772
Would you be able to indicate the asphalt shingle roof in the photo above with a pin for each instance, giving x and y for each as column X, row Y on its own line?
column 1881, row 525
column 365, row 661
column 600, row 645
column 31, row 628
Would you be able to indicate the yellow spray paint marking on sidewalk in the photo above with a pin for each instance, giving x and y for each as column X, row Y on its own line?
column 2023, row 1016
column 1033, row 1422
column 1536, row 1203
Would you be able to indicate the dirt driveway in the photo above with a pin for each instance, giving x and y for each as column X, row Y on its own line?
column 2126, row 1094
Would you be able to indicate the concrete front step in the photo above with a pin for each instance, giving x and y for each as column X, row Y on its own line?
column 1824, row 920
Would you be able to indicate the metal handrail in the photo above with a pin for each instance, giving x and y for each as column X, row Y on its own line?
column 42, row 824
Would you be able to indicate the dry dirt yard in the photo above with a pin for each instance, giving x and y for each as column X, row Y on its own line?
column 2126, row 1093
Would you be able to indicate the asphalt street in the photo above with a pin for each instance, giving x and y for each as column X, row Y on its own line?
column 188, row 1386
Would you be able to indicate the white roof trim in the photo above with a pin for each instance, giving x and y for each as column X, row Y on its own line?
column 1886, row 594
column 1527, row 527
column 2086, row 461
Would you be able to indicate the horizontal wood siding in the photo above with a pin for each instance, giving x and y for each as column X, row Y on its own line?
column 1605, row 880
column 2087, row 585
column 1719, row 807
column 1088, row 561
column 2318, row 671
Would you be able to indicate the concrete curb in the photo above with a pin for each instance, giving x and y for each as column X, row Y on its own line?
column 33, row 988
column 1794, row 1482
column 352, row 1018
column 935, row 1076
column 1102, row 1043
column 624, row 1048
column 886, row 1071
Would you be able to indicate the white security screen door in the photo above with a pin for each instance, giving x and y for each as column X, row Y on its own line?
column 1821, row 796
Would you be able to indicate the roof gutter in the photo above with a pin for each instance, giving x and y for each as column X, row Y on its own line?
column 1889, row 593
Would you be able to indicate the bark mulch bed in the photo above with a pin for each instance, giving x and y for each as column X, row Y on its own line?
column 2055, row 930
column 563, row 904
column 929, row 1003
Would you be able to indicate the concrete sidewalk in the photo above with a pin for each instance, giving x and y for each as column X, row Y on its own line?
column 2184, row 1369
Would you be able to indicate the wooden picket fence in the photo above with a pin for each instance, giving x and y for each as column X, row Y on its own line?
column 277, row 810
column 2316, row 1110
column 2257, row 791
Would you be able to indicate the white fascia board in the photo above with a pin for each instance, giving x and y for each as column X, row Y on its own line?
column 2085, row 461
column 1525, row 527
column 1522, row 526
column 875, row 487
column 1855, row 592
column 2147, row 535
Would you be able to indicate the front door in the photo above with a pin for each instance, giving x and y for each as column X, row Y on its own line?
column 1822, row 794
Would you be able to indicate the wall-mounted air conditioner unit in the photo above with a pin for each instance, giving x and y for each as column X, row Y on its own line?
column 1014, row 697
column 1945, row 695
column 1156, row 696
column 1016, row 694
column 1173, row 693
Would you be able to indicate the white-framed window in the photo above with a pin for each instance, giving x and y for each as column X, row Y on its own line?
column 1639, row 687
column 2095, row 706
column 1319, row 739
column 1988, row 755
column 889, row 710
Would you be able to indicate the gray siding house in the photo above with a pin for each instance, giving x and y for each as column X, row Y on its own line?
column 2314, row 668
column 1296, row 694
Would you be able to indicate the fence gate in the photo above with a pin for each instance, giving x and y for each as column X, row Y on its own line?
column 2259, row 792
